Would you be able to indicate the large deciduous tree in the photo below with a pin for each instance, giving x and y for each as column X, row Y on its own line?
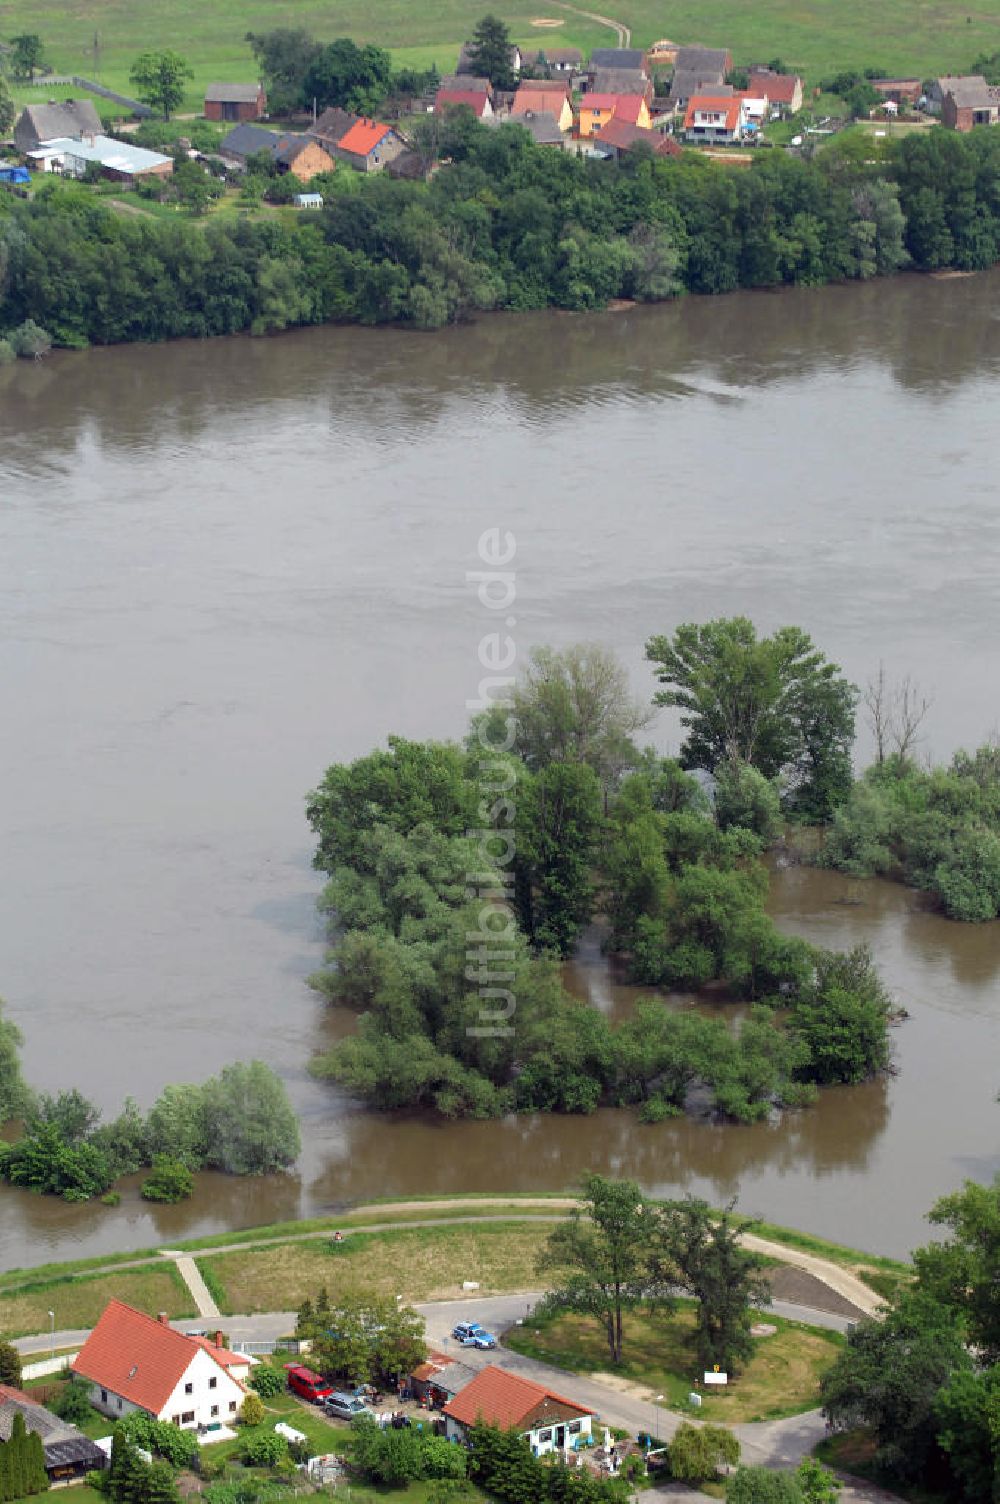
column 250, row 1126
column 351, row 77
column 160, row 78
column 600, row 1257
column 726, row 1279
column 284, row 56
column 575, row 705
column 774, row 702
column 963, row 1274
column 559, row 816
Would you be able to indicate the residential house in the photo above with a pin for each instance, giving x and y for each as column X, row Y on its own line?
column 466, row 64
column 136, row 1362
column 714, row 118
column 476, row 100
column 438, row 1380
column 541, row 125
column 899, row 90
column 38, row 123
column 621, row 137
column 245, row 141
column 552, row 101
column 331, row 127
column 119, row 161
column 632, row 58
column 235, row 102
column 697, row 70
column 562, row 59
column 940, row 87
column 621, row 81
column 783, row 91
column 68, row 1453
column 547, row 1421
column 969, row 102
column 597, row 109
column 369, row 146
column 303, row 156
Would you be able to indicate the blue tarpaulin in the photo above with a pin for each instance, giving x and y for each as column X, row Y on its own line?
column 14, row 175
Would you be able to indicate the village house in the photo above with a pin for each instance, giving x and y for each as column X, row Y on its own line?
column 68, row 1453
column 619, row 137
column 900, row 90
column 136, row 1362
column 331, row 127
column 561, row 59
column 369, row 146
column 969, row 102
column 438, row 1380
column 466, row 64
column 783, row 91
column 941, row 86
column 631, row 58
column 714, row 119
column 119, row 161
column 596, row 110
column 477, row 100
column 696, row 71
column 235, row 102
column 541, row 126
column 547, row 1421
column 302, row 156
column 622, row 81
column 552, row 100
column 38, row 123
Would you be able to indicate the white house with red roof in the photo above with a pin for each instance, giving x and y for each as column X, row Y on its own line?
column 137, row 1362
column 714, row 118
column 548, row 1421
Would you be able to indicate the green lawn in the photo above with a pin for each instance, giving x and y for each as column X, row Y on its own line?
column 918, row 37
column 25, row 1309
column 781, row 1379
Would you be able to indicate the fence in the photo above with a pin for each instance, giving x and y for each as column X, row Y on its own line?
column 65, row 79
column 42, row 1369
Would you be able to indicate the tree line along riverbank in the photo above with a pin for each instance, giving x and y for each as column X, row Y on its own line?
column 502, row 225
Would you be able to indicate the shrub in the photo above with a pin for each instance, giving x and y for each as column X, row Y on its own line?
column 7, row 352
column 263, row 1448
column 252, row 1410
column 10, row 1365
column 111, row 1198
column 170, row 1180
column 697, row 1452
column 759, row 1485
column 73, row 1404
column 267, row 1381
column 30, row 340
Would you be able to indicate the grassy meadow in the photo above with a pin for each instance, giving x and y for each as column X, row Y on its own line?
column 918, row 37
column 24, row 1308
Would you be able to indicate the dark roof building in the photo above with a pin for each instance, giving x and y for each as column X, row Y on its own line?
column 68, row 1453
column 541, row 125
column 562, row 59
column 621, row 81
column 709, row 62
column 617, row 57
column 244, row 140
column 235, row 102
column 39, row 123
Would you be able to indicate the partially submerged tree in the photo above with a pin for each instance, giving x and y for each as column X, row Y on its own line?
column 895, row 714
column 15, row 1098
column 576, row 705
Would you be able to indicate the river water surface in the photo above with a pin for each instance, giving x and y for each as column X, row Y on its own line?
column 225, row 565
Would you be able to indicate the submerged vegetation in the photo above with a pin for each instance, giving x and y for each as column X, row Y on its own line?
column 458, row 876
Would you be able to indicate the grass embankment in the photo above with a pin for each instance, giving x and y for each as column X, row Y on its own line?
column 852, row 1452
column 426, row 1263
column 659, row 1353
column 79, row 1300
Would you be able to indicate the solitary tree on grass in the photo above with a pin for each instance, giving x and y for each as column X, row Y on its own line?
column 708, row 1259
column 601, row 1255
column 159, row 78
column 26, row 55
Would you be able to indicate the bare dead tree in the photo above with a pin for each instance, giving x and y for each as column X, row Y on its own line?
column 895, row 713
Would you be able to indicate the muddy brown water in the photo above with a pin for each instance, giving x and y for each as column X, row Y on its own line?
column 225, row 565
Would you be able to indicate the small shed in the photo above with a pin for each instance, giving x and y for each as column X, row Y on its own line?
column 308, row 201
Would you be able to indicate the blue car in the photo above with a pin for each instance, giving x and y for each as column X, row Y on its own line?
column 471, row 1334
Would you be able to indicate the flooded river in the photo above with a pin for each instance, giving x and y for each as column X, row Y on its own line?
column 226, row 565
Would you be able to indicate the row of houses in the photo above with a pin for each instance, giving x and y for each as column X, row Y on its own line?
column 138, row 1363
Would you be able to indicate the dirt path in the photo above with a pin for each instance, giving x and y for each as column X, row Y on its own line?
column 623, row 32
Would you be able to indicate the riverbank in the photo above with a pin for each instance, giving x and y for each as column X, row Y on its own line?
column 389, row 1249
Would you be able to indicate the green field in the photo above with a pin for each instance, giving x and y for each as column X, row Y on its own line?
column 919, row 37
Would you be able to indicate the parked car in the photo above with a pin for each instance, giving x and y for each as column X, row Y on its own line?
column 345, row 1406
column 471, row 1334
column 307, row 1385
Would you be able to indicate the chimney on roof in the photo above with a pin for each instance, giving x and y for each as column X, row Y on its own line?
column 163, row 1318
column 219, row 1340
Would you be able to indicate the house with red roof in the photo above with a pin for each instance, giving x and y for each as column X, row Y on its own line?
column 551, row 99
column 597, row 109
column 477, row 100
column 137, row 1362
column 619, row 137
column 714, row 118
column 548, row 1421
column 369, row 146
column 783, row 91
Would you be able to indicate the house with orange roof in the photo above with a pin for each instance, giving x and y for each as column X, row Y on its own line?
column 597, row 109
column 714, row 118
column 369, row 146
column 137, row 1362
column 783, row 91
column 548, row 1421
column 477, row 100
column 553, row 101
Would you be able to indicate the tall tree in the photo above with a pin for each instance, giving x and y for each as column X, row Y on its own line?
column 160, row 78
column 351, row 77
column 250, row 1125
column 775, row 702
column 284, row 56
column 575, row 705
column 10, row 1365
column 963, row 1274
column 8, row 114
column 15, row 1098
column 27, row 55
column 559, row 816
column 490, row 53
column 600, row 1256
column 724, row 1277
